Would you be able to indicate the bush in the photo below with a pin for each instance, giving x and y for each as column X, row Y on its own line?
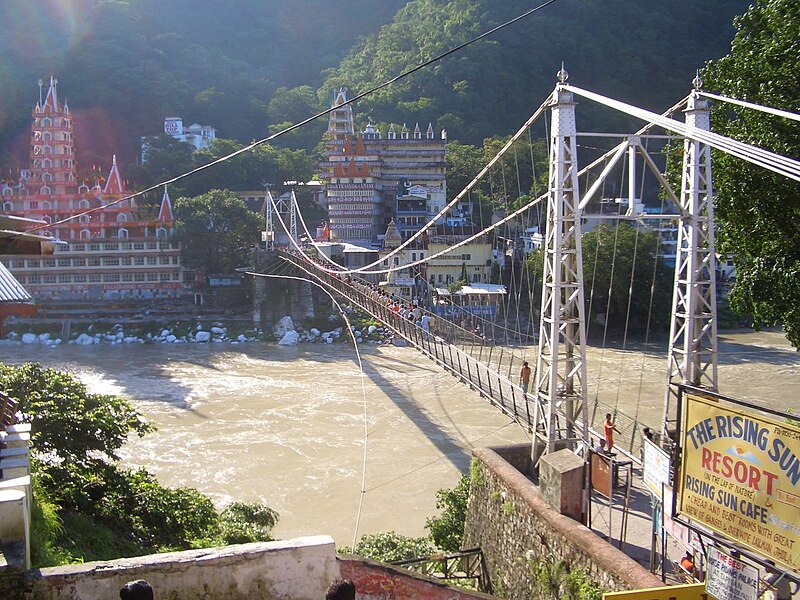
column 389, row 546
column 447, row 530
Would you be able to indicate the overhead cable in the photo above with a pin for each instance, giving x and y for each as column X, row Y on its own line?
column 323, row 113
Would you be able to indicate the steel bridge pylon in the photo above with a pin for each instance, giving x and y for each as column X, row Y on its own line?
column 692, row 353
column 561, row 366
column 270, row 209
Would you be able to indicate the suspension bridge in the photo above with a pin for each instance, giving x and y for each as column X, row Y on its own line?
column 558, row 409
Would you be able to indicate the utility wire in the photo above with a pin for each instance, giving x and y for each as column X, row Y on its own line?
column 323, row 113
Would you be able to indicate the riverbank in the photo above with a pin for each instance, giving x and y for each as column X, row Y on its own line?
column 188, row 330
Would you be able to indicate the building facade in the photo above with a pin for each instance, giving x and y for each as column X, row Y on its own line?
column 366, row 173
column 114, row 247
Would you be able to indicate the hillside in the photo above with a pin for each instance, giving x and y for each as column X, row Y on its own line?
column 247, row 66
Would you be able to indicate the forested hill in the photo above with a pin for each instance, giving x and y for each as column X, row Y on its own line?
column 246, row 66
column 638, row 51
column 126, row 64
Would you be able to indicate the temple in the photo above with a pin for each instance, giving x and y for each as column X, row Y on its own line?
column 371, row 179
column 113, row 246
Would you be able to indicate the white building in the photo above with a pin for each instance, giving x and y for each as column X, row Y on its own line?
column 199, row 136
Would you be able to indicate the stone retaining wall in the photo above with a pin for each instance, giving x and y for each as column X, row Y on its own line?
column 514, row 527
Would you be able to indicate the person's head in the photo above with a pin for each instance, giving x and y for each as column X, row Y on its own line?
column 136, row 590
column 608, row 416
column 602, row 443
column 525, row 364
column 341, row 589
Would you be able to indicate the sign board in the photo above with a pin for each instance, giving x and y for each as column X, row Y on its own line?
column 740, row 476
column 450, row 310
column 601, row 474
column 656, row 467
column 689, row 591
column 730, row 579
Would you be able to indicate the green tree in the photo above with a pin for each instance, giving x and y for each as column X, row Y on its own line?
column 217, row 231
column 389, row 546
column 621, row 268
column 758, row 212
column 447, row 529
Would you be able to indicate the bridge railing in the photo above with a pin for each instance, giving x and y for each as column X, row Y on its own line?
column 438, row 342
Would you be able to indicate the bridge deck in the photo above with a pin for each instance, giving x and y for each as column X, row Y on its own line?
column 438, row 343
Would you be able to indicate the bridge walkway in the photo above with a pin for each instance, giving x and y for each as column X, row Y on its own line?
column 438, row 342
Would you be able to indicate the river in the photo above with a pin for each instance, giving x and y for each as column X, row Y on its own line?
column 286, row 425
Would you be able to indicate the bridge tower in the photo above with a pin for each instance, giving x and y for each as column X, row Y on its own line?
column 280, row 208
column 561, row 366
column 692, row 353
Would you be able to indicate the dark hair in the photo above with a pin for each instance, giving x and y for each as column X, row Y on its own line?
column 136, row 590
column 341, row 589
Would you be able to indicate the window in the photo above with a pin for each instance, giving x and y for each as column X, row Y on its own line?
column 63, row 262
column 48, row 278
column 125, row 260
column 138, row 245
column 111, row 262
column 127, row 277
column 122, row 233
column 163, row 260
column 111, row 277
column 34, row 279
column 49, row 263
column 94, row 277
column 152, row 245
column 161, row 232
column 94, row 247
column 83, row 203
column 17, row 264
column 440, row 278
column 175, row 260
column 94, row 262
column 164, row 276
column 138, row 276
column 152, row 260
column 466, row 257
column 138, row 260
column 79, row 247
column 79, row 278
column 85, row 234
column 176, row 276
column 121, row 218
column 152, row 277
column 65, row 279
column 78, row 262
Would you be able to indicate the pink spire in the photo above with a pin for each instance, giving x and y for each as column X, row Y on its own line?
column 165, row 212
column 114, row 184
column 51, row 101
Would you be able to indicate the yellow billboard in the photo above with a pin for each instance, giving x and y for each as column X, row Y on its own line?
column 740, row 476
column 687, row 591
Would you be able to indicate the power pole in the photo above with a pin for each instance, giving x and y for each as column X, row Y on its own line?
column 693, row 331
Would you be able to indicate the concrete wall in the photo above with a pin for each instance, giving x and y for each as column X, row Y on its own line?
column 295, row 569
column 379, row 581
column 514, row 527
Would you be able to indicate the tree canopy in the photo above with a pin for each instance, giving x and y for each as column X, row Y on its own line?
column 217, row 231
column 758, row 212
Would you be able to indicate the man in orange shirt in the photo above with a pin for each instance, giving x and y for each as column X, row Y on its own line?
column 609, row 432
column 525, row 377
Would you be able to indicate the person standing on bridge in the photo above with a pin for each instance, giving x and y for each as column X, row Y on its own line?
column 525, row 377
column 609, row 432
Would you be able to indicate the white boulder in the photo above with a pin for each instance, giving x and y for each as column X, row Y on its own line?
column 29, row 338
column 84, row 340
column 170, row 338
column 315, row 332
column 202, row 336
column 218, row 330
column 241, row 338
column 290, row 338
column 44, row 338
column 283, row 326
column 371, row 329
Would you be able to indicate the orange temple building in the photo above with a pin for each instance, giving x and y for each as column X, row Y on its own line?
column 119, row 250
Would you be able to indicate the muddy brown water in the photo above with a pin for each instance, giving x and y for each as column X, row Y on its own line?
column 287, row 426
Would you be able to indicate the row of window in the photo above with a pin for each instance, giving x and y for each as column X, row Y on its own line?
column 54, row 122
column 106, row 261
column 99, row 278
column 121, row 246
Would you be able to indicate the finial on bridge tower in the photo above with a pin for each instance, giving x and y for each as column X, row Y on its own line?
column 562, row 74
column 697, row 82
